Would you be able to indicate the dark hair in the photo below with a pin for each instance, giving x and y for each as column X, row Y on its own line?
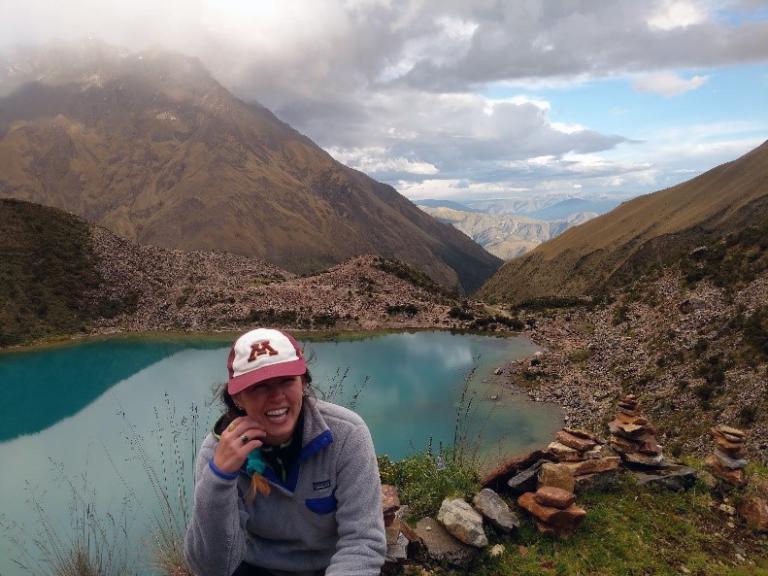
column 231, row 411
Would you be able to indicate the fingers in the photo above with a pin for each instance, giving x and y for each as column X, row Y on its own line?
column 237, row 440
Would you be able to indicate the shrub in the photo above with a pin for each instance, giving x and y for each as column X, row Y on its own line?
column 579, row 356
column 747, row 416
column 409, row 310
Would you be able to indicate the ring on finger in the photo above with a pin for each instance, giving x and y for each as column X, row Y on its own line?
column 231, row 427
column 244, row 439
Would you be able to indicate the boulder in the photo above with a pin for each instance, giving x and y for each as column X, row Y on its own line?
column 463, row 522
column 441, row 546
column 557, row 475
column 492, row 507
column 754, row 510
column 554, row 497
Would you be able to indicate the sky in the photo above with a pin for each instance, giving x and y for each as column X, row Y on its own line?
column 461, row 99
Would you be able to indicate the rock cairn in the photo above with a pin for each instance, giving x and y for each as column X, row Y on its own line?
column 585, row 456
column 554, row 509
column 727, row 463
column 633, row 437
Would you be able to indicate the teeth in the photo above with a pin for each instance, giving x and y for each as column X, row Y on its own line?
column 279, row 412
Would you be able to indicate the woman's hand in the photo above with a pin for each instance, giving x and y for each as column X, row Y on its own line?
column 237, row 441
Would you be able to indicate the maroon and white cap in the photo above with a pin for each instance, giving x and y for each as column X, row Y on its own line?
column 262, row 354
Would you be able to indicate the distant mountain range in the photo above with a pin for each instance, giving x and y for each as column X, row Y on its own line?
column 149, row 145
column 647, row 232
column 506, row 236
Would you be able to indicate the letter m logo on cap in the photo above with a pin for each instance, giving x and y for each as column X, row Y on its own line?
column 259, row 348
column 261, row 354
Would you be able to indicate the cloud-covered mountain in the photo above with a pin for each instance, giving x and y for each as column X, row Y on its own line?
column 151, row 146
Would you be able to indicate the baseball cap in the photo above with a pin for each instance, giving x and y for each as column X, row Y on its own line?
column 262, row 354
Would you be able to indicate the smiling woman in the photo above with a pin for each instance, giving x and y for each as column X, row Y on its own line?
column 285, row 483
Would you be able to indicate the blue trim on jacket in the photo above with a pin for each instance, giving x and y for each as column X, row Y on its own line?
column 318, row 443
column 220, row 473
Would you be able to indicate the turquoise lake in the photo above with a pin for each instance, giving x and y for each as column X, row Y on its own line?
column 87, row 419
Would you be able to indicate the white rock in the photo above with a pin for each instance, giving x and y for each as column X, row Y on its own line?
column 462, row 522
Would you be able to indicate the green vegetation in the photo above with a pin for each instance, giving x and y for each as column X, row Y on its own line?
column 730, row 261
column 554, row 302
column 409, row 310
column 47, row 272
column 423, row 481
column 633, row 531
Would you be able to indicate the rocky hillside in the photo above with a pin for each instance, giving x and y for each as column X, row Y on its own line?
column 650, row 231
column 693, row 347
column 504, row 235
column 61, row 275
column 150, row 146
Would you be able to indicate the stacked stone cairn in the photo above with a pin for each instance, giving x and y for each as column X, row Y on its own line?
column 587, row 458
column 633, row 437
column 728, row 462
column 554, row 509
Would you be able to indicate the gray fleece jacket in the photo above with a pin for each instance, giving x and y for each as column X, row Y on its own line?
column 326, row 517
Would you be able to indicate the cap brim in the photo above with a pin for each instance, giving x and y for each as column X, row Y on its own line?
column 292, row 368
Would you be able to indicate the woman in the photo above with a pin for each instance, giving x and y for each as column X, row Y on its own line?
column 285, row 484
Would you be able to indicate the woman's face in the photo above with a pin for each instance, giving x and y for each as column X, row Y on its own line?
column 275, row 404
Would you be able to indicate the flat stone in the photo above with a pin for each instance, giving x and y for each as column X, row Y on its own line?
column 754, row 510
column 729, row 430
column 578, row 432
column 463, row 522
column 554, row 497
column 733, row 449
column 499, row 476
column 495, row 510
column 728, row 462
column 526, row 480
column 676, row 478
column 557, row 475
column 643, row 459
column 563, row 453
column 575, row 442
column 441, row 546
column 594, row 466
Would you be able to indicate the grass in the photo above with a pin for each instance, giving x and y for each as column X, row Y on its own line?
column 631, row 531
column 92, row 545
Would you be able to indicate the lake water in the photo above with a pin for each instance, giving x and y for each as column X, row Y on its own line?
column 81, row 425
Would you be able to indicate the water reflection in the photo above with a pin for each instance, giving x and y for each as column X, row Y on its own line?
column 75, row 405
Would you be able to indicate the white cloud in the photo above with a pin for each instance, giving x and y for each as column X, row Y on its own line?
column 668, row 83
column 671, row 14
column 395, row 88
column 375, row 160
